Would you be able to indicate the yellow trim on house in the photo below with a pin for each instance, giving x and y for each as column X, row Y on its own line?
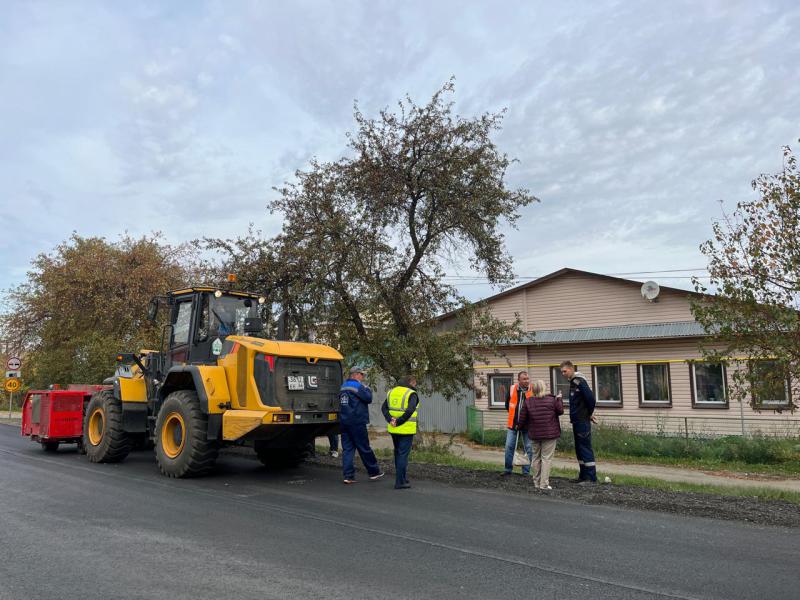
column 600, row 364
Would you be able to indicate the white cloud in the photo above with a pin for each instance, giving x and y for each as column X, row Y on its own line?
column 629, row 120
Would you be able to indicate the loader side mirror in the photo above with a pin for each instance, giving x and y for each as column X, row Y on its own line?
column 253, row 325
column 152, row 310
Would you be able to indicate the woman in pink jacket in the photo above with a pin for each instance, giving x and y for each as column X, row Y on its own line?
column 539, row 417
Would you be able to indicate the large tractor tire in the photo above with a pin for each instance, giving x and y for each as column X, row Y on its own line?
column 182, row 445
column 104, row 440
column 283, row 458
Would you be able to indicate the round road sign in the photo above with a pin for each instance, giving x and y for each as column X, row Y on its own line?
column 13, row 364
column 12, row 385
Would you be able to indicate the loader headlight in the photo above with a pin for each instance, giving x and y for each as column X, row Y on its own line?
column 262, row 300
column 218, row 294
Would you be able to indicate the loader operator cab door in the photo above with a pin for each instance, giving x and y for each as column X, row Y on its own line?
column 179, row 344
column 201, row 320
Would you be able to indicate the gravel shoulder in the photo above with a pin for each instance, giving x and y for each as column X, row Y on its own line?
column 729, row 508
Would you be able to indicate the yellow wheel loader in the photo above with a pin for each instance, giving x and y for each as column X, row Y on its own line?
column 213, row 383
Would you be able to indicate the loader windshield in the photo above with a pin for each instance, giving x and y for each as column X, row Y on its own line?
column 220, row 317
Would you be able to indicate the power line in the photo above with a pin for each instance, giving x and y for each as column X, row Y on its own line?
column 629, row 273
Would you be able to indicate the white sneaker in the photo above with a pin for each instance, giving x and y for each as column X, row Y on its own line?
column 334, row 454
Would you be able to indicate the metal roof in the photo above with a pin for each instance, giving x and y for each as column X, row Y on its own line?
column 646, row 331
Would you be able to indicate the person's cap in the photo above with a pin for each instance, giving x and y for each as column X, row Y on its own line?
column 357, row 369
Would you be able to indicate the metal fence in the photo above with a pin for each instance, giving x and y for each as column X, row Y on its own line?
column 436, row 412
column 689, row 427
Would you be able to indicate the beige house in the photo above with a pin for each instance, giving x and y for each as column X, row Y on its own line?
column 640, row 356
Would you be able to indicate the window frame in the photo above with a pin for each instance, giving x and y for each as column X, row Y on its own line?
column 554, row 371
column 703, row 404
column 502, row 403
column 787, row 388
column 640, row 385
column 607, row 403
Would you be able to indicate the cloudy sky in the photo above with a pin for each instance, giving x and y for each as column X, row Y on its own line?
column 630, row 120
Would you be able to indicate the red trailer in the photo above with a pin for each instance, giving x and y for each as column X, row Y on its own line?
column 53, row 417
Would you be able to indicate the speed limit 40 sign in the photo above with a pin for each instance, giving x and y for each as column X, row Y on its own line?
column 12, row 385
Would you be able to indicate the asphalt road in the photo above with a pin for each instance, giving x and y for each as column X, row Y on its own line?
column 72, row 529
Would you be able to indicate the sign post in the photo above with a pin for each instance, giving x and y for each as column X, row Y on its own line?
column 11, row 386
column 13, row 364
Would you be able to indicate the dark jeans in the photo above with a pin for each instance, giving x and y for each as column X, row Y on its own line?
column 333, row 440
column 402, row 448
column 582, row 434
column 354, row 437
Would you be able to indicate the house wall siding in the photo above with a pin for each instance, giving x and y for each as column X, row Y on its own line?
column 573, row 301
column 681, row 415
column 509, row 308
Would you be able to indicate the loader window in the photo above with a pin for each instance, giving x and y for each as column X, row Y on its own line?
column 180, row 331
column 226, row 315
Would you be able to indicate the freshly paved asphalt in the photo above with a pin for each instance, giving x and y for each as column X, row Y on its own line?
column 71, row 529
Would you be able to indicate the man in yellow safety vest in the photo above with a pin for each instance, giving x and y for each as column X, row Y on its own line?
column 400, row 411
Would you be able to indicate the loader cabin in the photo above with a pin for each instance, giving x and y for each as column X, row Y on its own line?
column 202, row 317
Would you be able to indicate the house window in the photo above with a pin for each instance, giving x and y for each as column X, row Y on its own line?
column 654, row 385
column 559, row 383
column 499, row 388
column 607, row 385
column 769, row 384
column 708, row 385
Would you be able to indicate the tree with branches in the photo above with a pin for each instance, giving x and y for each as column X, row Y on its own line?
column 86, row 301
column 754, row 267
column 361, row 259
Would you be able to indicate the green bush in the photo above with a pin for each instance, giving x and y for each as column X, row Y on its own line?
column 619, row 441
column 489, row 437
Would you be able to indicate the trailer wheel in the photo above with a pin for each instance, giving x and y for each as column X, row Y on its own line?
column 50, row 446
column 182, row 445
column 104, row 440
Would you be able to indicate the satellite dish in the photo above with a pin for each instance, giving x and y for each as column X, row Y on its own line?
column 650, row 291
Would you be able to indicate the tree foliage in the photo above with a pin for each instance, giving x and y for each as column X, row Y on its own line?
column 366, row 241
column 754, row 267
column 86, row 301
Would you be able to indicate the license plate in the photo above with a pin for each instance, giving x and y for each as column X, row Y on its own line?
column 296, row 382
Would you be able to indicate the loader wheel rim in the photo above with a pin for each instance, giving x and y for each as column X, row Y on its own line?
column 97, row 426
column 173, row 435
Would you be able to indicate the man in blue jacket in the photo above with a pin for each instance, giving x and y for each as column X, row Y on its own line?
column 354, row 400
column 581, row 415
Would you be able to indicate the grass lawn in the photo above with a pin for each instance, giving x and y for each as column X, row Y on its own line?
column 763, row 455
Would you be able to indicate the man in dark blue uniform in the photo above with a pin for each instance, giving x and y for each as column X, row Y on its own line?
column 354, row 401
column 581, row 415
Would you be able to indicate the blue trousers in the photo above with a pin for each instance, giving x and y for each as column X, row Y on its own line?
column 402, row 448
column 511, row 441
column 582, row 433
column 333, row 440
column 354, row 437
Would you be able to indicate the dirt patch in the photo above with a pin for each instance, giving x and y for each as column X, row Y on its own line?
column 729, row 508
